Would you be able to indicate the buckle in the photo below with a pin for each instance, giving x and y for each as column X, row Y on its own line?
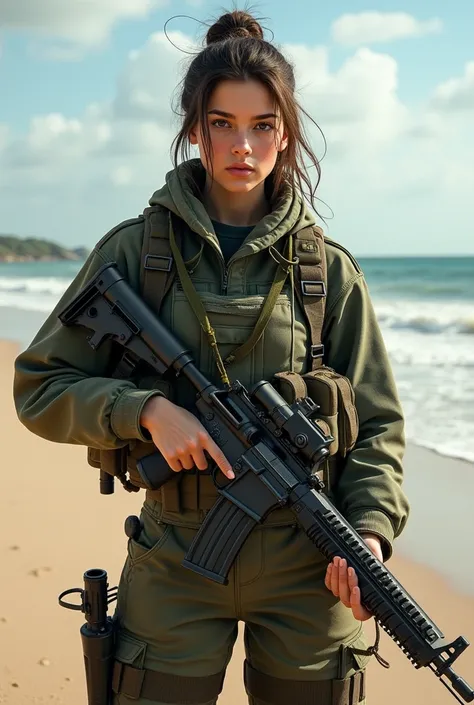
column 317, row 351
column 165, row 266
column 320, row 285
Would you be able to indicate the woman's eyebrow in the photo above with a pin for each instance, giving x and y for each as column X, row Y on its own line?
column 222, row 113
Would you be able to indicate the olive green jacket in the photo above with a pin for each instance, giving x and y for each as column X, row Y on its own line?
column 64, row 391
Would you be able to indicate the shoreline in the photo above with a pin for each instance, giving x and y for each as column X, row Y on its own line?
column 54, row 525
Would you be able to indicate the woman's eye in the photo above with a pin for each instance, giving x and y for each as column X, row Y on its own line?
column 268, row 126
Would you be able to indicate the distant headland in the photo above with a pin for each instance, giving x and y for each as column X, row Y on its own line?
column 31, row 249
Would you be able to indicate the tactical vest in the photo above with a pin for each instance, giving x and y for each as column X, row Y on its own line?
column 331, row 391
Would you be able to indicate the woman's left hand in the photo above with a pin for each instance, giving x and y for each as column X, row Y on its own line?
column 343, row 583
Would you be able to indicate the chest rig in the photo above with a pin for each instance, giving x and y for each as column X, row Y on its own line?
column 161, row 263
column 159, row 269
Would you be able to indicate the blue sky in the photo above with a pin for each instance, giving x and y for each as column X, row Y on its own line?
column 399, row 182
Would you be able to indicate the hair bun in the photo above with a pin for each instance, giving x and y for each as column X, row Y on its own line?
column 234, row 24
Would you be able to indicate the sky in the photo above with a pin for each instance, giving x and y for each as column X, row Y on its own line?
column 88, row 88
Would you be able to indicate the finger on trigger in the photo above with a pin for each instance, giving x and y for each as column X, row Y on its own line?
column 216, row 453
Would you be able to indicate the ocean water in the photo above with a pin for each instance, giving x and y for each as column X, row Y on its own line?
column 425, row 307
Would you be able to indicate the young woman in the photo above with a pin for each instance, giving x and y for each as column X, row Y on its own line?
column 237, row 210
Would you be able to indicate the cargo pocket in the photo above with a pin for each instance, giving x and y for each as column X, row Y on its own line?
column 233, row 320
column 151, row 540
column 130, row 650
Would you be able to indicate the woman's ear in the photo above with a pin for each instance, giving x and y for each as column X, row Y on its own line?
column 283, row 142
column 193, row 136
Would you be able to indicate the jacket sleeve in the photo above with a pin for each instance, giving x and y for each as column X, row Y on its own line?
column 369, row 491
column 63, row 390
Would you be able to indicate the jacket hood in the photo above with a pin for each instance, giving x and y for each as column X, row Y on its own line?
column 180, row 195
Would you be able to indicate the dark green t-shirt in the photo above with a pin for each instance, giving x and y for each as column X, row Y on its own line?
column 230, row 237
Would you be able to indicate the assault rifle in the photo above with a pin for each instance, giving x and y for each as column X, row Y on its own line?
column 274, row 449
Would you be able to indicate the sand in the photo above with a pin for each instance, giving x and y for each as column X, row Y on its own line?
column 54, row 525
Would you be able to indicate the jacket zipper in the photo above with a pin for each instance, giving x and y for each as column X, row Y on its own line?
column 225, row 272
column 225, row 280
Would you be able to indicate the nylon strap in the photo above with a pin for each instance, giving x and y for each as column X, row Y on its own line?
column 196, row 304
column 158, row 270
column 280, row 691
column 140, row 683
column 311, row 278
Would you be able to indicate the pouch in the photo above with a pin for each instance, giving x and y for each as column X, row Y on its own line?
column 334, row 395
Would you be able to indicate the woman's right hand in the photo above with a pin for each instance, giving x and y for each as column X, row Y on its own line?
column 180, row 437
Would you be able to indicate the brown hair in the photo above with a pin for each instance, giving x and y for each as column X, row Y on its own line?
column 236, row 50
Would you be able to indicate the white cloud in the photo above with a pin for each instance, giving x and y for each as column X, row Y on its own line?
column 83, row 21
column 376, row 27
column 121, row 176
column 457, row 94
column 145, row 87
column 356, row 104
column 397, row 178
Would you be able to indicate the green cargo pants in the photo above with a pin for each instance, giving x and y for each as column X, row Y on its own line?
column 176, row 629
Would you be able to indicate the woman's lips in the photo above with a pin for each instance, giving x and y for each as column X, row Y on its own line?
column 239, row 171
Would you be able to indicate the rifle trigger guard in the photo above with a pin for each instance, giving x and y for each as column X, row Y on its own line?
column 214, row 472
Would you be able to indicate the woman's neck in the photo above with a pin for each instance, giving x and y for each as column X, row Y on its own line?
column 235, row 208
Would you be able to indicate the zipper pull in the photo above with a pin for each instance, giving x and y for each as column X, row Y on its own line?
column 225, row 281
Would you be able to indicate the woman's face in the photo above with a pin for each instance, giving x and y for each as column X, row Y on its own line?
column 243, row 127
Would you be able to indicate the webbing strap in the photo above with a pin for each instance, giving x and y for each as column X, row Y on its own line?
column 157, row 270
column 137, row 683
column 311, row 278
column 279, row 691
column 196, row 304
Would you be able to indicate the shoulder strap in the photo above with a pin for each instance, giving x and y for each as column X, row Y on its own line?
column 310, row 285
column 157, row 269
column 156, row 275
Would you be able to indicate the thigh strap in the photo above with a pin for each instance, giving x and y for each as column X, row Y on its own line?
column 279, row 691
column 137, row 683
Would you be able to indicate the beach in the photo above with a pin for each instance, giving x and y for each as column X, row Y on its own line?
column 54, row 525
